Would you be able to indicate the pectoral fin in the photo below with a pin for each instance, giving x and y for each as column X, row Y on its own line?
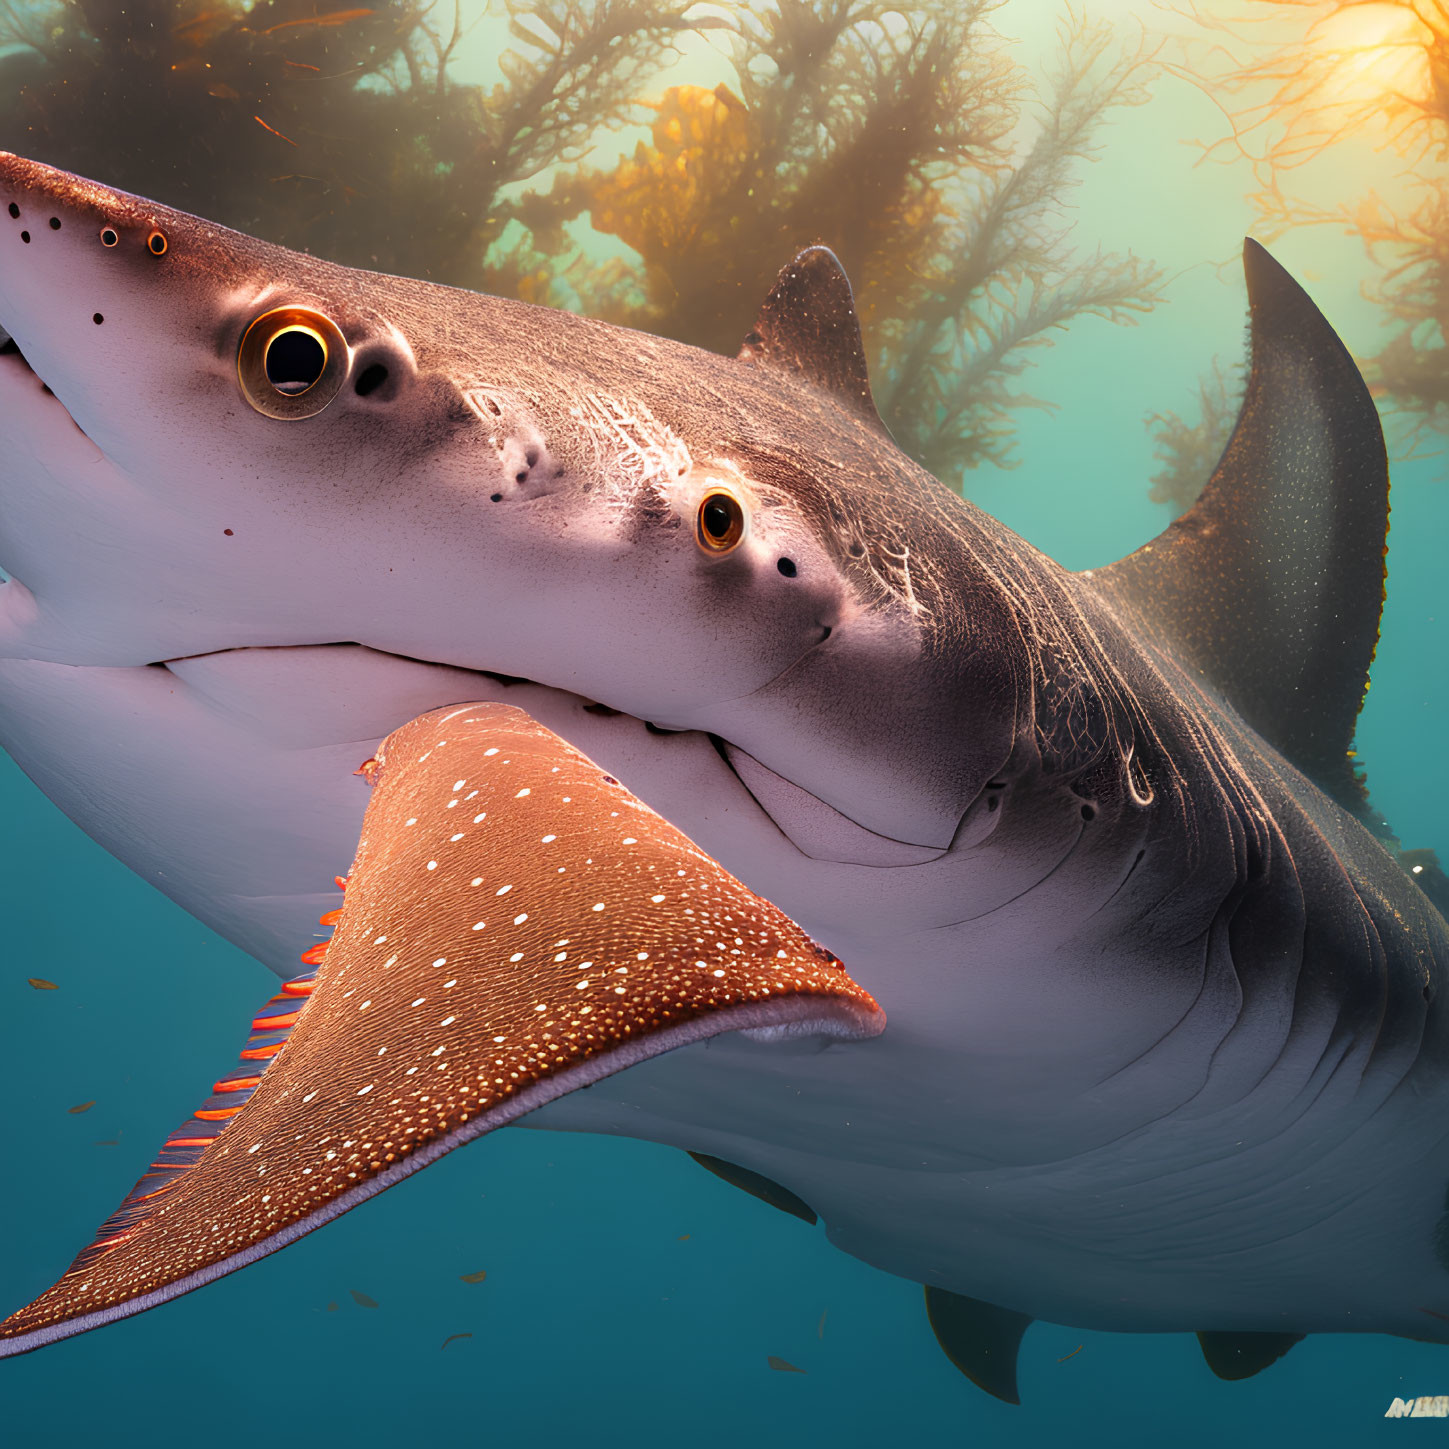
column 1241, row 1355
column 757, row 1185
column 512, row 931
column 980, row 1338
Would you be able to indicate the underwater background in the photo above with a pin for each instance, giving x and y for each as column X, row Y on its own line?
column 630, row 1298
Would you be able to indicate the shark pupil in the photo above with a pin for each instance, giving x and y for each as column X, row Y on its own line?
column 721, row 522
column 295, row 359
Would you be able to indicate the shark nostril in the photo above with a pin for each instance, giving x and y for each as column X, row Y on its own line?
column 25, row 237
column 55, row 223
column 13, row 210
column 97, row 319
column 370, row 379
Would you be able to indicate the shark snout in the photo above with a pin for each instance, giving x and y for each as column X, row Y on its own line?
column 75, row 259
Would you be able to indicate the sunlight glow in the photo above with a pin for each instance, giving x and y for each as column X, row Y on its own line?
column 1372, row 51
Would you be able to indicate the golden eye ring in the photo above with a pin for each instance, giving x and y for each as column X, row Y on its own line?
column 720, row 523
column 156, row 243
column 109, row 236
column 292, row 362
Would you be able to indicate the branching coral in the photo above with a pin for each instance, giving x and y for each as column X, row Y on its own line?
column 900, row 135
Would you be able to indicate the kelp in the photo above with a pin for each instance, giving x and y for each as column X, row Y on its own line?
column 893, row 138
column 1189, row 452
column 900, row 135
column 1353, row 68
column 339, row 132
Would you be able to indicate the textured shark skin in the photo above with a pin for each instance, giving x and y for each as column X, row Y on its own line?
column 1166, row 1044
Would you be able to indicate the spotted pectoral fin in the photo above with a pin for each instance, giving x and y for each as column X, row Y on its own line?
column 980, row 1338
column 1241, row 1355
column 513, row 930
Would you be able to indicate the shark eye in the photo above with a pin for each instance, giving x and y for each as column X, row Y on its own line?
column 292, row 362
column 721, row 522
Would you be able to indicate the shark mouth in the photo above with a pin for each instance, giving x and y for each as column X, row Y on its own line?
column 814, row 828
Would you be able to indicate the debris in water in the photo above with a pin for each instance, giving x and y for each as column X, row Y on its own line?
column 1072, row 1354
column 361, row 1299
column 450, row 1338
column 782, row 1365
column 477, row 1277
column 820, row 1327
column 41, row 984
column 82, row 1107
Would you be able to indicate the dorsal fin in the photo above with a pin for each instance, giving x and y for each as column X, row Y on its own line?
column 1272, row 583
column 1241, row 1355
column 757, row 1185
column 807, row 325
column 980, row 1338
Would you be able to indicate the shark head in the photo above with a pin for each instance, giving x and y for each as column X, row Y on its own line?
column 217, row 445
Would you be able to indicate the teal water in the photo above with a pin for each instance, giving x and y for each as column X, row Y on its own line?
column 631, row 1299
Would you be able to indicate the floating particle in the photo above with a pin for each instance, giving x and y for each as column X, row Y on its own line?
column 361, row 1299
column 820, row 1327
column 477, row 1277
column 684, row 1237
column 782, row 1365
column 82, row 1107
column 106, row 1142
column 332, row 1307
column 1072, row 1354
column 449, row 1339
column 41, row 984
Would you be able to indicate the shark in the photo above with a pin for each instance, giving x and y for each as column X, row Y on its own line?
column 1151, row 1034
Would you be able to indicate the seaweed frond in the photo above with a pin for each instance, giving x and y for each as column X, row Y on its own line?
column 1357, row 70
column 1189, row 452
column 901, row 135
